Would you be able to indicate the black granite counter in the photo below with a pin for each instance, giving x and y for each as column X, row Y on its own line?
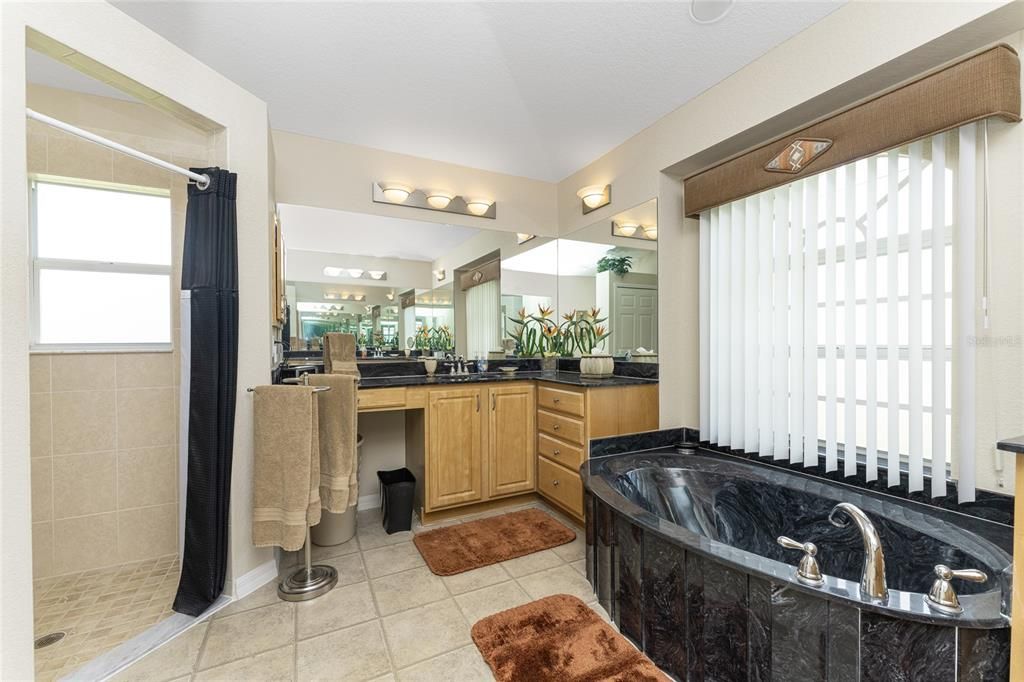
column 1012, row 445
column 442, row 379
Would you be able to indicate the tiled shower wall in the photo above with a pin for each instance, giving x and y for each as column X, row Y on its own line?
column 104, row 435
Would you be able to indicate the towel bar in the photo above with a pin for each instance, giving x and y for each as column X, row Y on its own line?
column 316, row 389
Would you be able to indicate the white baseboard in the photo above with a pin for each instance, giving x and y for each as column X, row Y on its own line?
column 368, row 502
column 249, row 582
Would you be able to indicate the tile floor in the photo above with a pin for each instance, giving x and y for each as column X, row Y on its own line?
column 99, row 609
column 389, row 618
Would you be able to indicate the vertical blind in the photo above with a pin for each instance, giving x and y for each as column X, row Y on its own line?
column 483, row 315
column 826, row 315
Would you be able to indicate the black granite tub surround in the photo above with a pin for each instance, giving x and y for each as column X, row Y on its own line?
column 704, row 609
column 637, row 370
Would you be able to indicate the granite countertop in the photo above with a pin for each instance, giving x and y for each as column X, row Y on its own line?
column 568, row 378
column 1012, row 445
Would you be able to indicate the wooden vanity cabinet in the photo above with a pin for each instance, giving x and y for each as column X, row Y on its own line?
column 511, row 439
column 455, row 460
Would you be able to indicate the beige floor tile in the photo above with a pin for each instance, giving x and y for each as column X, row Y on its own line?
column 577, row 549
column 339, row 608
column 406, row 590
column 271, row 666
column 318, row 552
column 421, row 633
column 390, row 677
column 560, row 580
column 350, row 568
column 482, row 603
column 372, row 537
column 580, row 567
column 392, row 559
column 248, row 633
column 475, row 579
column 532, row 563
column 172, row 660
column 355, row 653
column 465, row 665
column 264, row 596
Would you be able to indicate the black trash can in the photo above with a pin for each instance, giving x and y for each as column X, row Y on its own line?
column 397, row 488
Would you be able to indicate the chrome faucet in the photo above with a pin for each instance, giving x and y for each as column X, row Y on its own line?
column 872, row 580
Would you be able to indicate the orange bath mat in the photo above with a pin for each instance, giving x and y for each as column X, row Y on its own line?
column 465, row 546
column 559, row 638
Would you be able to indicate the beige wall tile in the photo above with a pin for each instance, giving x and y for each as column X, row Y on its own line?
column 145, row 370
column 83, row 372
column 84, row 542
column 42, row 550
column 134, row 172
column 71, row 157
column 83, row 421
column 147, row 532
column 84, row 484
column 42, row 489
column 146, row 476
column 41, row 436
column 145, row 417
column 36, row 153
column 39, row 373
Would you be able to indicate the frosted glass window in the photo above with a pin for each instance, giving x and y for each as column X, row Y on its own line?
column 103, row 225
column 85, row 307
column 101, row 266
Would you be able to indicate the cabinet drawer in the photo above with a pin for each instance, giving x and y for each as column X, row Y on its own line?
column 566, row 428
column 560, row 399
column 561, row 485
column 373, row 398
column 558, row 451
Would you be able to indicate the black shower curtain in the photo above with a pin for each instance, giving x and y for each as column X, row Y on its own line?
column 210, row 270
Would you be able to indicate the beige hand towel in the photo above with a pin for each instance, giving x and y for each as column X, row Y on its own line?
column 286, row 470
column 340, row 354
column 338, row 466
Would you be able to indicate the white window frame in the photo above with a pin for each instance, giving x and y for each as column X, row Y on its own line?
column 36, row 264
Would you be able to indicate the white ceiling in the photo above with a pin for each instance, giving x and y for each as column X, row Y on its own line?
column 306, row 228
column 531, row 89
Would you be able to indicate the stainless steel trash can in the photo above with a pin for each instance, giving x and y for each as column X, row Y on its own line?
column 334, row 529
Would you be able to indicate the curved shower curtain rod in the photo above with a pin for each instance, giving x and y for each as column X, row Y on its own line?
column 202, row 180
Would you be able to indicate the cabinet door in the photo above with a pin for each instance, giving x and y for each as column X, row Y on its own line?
column 511, row 435
column 455, row 452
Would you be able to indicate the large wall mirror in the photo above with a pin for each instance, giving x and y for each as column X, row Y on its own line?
column 407, row 287
column 612, row 266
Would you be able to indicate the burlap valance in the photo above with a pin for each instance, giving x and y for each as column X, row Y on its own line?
column 984, row 85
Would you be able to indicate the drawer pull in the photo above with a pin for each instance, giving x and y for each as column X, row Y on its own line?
column 557, row 400
column 555, row 427
column 557, row 452
column 555, row 482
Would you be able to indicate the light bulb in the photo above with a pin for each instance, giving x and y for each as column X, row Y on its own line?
column 332, row 272
column 355, row 272
column 396, row 193
column 651, row 231
column 627, row 229
column 478, row 206
column 377, row 274
column 592, row 195
column 439, row 198
column 522, row 237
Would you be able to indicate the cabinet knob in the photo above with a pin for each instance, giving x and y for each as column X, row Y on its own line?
column 555, row 427
column 555, row 482
column 557, row 400
column 556, row 452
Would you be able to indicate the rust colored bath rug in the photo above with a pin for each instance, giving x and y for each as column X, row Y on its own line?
column 465, row 546
column 559, row 638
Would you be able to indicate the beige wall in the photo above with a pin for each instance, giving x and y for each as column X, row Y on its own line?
column 182, row 83
column 326, row 174
column 104, row 426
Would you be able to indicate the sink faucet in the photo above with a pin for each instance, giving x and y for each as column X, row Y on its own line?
column 872, row 581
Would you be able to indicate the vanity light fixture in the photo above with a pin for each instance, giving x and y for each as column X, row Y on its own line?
column 439, row 275
column 377, row 274
column 355, row 273
column 651, row 231
column 390, row 295
column 394, row 192
column 432, row 199
column 594, row 197
column 625, row 229
column 438, row 198
column 635, row 231
column 478, row 206
column 359, row 297
column 522, row 237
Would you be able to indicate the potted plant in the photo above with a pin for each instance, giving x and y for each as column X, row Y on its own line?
column 590, row 333
column 620, row 265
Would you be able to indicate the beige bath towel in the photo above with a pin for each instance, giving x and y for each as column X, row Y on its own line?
column 340, row 354
column 286, row 470
column 338, row 466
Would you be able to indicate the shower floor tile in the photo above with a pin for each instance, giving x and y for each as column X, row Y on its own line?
column 99, row 609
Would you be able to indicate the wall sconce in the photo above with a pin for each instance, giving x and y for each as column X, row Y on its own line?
column 355, row 273
column 522, row 237
column 635, row 231
column 594, row 197
column 390, row 295
column 439, row 275
column 432, row 200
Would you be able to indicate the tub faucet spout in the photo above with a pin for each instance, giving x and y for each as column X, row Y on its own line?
column 872, row 581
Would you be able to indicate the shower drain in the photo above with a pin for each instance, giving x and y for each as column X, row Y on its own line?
column 49, row 639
